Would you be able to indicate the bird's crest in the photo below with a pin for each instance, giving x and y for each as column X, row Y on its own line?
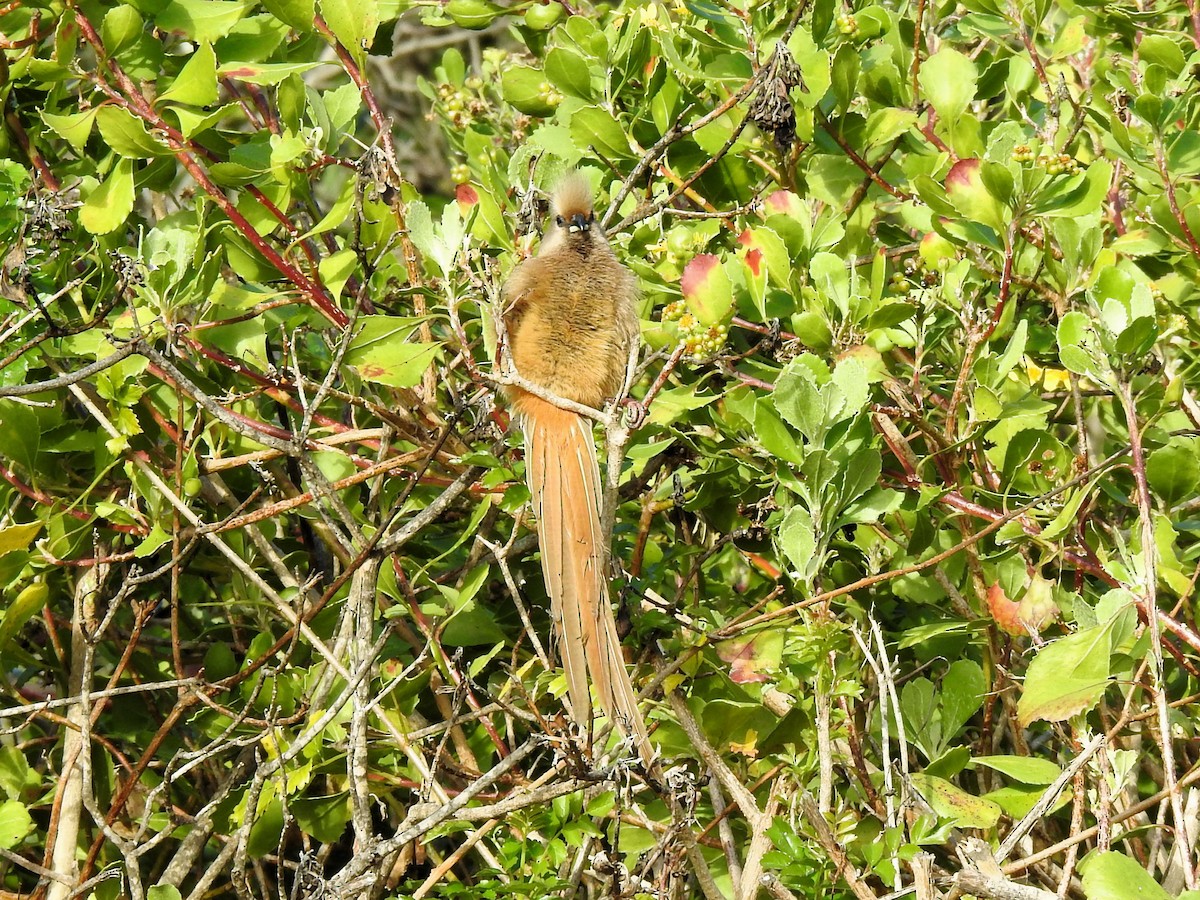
column 572, row 196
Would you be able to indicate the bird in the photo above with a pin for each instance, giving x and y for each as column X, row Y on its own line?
column 571, row 326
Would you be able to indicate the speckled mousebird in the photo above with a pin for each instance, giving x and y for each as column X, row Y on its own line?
column 571, row 325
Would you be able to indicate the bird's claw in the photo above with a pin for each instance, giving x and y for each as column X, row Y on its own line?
column 635, row 414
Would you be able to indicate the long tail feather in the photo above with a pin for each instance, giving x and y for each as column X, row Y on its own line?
column 564, row 479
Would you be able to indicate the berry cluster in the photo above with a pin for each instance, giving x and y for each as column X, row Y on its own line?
column 848, row 25
column 699, row 340
column 549, row 94
column 914, row 270
column 1062, row 164
column 458, row 105
column 1052, row 163
column 1022, row 153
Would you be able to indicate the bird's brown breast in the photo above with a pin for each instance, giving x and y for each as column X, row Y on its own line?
column 567, row 328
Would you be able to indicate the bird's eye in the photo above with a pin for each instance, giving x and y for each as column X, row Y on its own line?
column 559, row 220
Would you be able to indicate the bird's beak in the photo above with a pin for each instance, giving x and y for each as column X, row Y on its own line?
column 579, row 223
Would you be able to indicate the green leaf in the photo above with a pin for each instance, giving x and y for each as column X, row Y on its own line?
column 1114, row 876
column 121, row 28
column 673, row 403
column 814, row 65
column 164, row 892
column 523, row 87
column 830, row 278
column 1025, row 769
column 918, row 706
column 18, row 537
column 948, row 79
column 1174, row 470
column 336, row 270
column 1080, row 195
column 353, row 23
column 196, row 84
column 774, row 436
column 193, row 123
column 799, row 400
column 568, row 71
column 859, row 475
column 1017, row 799
column 15, row 773
column 24, row 607
column 74, row 128
column 265, row 832
column 1069, row 675
column 797, row 539
column 15, row 824
column 853, row 388
column 885, row 125
column 952, row 802
column 962, row 693
column 1012, row 354
column 1067, row 516
column 202, row 20
column 126, row 135
column 324, row 818
column 592, row 126
column 919, row 634
column 1077, row 346
column 383, row 353
column 1158, row 49
column 108, row 205
column 420, row 228
column 299, row 14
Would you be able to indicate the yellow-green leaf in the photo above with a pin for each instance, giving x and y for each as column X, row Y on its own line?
column 196, row 84
column 108, row 205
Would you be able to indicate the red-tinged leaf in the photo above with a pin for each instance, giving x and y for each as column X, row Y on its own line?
column 753, row 659
column 466, row 196
column 754, row 259
column 1005, row 612
column 963, row 175
column 706, row 289
column 934, row 248
column 697, row 271
column 1031, row 615
column 772, row 252
column 264, row 73
column 966, row 190
column 784, row 203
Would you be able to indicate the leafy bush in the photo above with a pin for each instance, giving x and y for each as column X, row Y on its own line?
column 907, row 544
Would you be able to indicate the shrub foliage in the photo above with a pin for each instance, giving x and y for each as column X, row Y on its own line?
column 905, row 544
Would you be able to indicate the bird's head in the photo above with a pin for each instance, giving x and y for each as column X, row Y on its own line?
column 575, row 224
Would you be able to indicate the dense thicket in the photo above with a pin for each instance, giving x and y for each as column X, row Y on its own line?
column 905, row 546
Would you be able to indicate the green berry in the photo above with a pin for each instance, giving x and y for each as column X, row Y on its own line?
column 474, row 14
column 543, row 16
